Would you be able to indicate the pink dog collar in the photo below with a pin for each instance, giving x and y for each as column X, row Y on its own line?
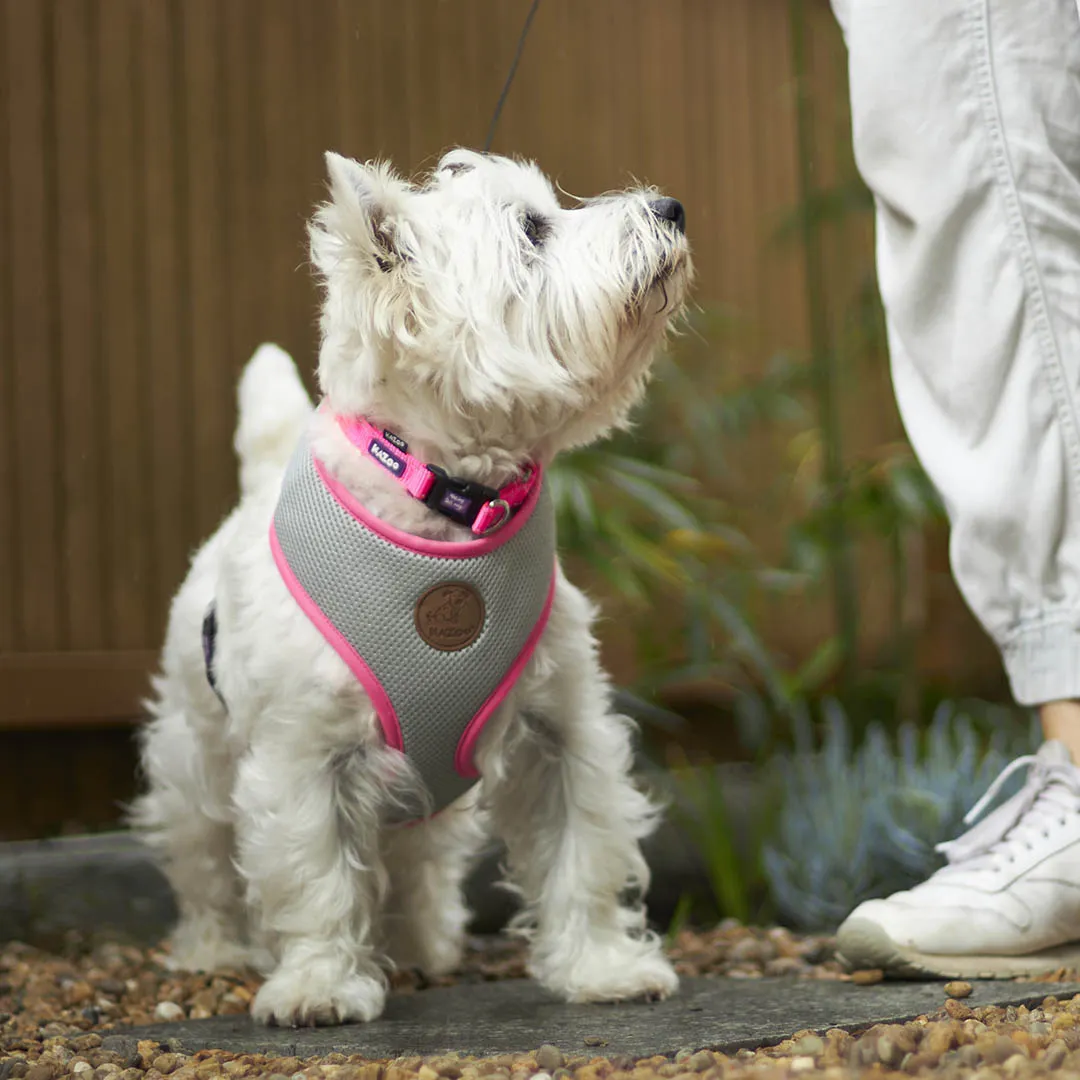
column 485, row 510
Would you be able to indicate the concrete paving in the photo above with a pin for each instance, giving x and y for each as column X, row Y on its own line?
column 517, row 1015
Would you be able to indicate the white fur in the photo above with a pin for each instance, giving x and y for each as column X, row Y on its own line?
column 443, row 321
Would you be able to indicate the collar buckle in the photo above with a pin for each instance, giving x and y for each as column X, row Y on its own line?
column 459, row 500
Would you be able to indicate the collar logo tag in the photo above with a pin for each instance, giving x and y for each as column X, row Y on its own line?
column 455, row 503
column 396, row 440
column 386, row 457
column 449, row 616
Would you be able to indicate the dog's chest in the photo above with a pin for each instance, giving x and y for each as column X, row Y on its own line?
column 436, row 633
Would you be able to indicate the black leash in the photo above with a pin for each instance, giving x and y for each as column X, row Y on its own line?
column 510, row 74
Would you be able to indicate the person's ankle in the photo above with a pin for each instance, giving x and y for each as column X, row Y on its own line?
column 1061, row 721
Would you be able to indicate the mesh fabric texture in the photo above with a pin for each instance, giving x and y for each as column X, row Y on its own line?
column 368, row 589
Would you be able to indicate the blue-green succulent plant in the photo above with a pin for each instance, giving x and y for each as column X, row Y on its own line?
column 860, row 822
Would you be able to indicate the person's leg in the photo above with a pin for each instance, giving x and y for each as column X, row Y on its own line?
column 966, row 117
column 1061, row 721
column 966, row 128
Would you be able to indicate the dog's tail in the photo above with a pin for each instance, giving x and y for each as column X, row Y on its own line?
column 274, row 410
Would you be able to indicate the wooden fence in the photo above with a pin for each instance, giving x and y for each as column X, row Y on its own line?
column 158, row 159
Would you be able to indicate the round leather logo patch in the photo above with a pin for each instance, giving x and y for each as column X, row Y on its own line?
column 450, row 616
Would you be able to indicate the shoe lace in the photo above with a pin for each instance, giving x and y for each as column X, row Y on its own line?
column 1050, row 794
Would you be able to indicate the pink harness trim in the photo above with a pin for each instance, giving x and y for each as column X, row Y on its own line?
column 443, row 549
column 388, row 720
column 418, row 478
column 464, row 763
column 464, row 759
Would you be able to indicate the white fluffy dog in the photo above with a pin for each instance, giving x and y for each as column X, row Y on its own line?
column 488, row 328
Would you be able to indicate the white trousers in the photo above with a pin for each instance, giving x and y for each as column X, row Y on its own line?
column 966, row 119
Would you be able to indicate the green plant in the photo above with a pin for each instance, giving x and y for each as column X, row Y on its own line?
column 680, row 918
column 642, row 514
column 665, row 518
column 615, row 513
column 638, row 514
column 856, row 822
column 833, row 519
column 702, row 809
column 862, row 790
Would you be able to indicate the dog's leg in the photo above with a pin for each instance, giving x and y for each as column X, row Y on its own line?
column 563, row 800
column 185, row 818
column 308, row 849
column 426, row 916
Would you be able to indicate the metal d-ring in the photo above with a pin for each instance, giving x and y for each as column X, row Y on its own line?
column 502, row 521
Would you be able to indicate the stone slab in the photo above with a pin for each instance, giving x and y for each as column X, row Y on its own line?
column 104, row 885
column 108, row 885
column 517, row 1015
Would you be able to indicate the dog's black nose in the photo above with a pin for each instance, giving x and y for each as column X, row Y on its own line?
column 670, row 210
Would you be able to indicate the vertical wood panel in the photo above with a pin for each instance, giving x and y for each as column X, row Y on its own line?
column 141, row 226
column 29, row 64
column 158, row 159
column 167, row 357
column 665, row 120
column 244, row 176
column 780, row 299
column 320, row 133
column 625, row 67
column 421, row 76
column 733, row 133
column 548, row 123
column 8, row 492
column 202, row 132
column 445, row 84
column 705, row 86
column 77, row 323
column 463, row 110
column 522, row 129
column 208, row 238
column 281, row 117
column 352, row 34
column 391, row 113
column 596, row 81
column 127, row 520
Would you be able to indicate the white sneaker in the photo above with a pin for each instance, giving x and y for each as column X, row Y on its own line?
column 1007, row 902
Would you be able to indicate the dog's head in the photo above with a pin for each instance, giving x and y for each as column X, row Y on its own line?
column 479, row 314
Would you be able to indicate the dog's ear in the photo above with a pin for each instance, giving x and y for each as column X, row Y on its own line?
column 368, row 199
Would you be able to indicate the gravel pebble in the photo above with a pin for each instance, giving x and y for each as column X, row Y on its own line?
column 809, row 1045
column 958, row 989
column 867, row 977
column 749, row 952
column 957, row 1010
column 549, row 1057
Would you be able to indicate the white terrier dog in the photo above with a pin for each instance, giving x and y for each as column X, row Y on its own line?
column 475, row 325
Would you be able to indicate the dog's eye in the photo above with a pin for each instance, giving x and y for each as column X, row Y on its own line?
column 533, row 228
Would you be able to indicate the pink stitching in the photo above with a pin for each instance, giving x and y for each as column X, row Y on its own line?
column 384, row 709
column 463, row 758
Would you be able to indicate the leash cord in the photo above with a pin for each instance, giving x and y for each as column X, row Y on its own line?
column 510, row 75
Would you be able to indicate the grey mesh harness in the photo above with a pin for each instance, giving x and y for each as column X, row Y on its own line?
column 437, row 632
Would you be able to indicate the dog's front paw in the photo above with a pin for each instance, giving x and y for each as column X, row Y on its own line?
column 298, row 997
column 633, row 969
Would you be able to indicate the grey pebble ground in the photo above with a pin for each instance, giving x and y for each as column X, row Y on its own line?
column 64, row 1016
